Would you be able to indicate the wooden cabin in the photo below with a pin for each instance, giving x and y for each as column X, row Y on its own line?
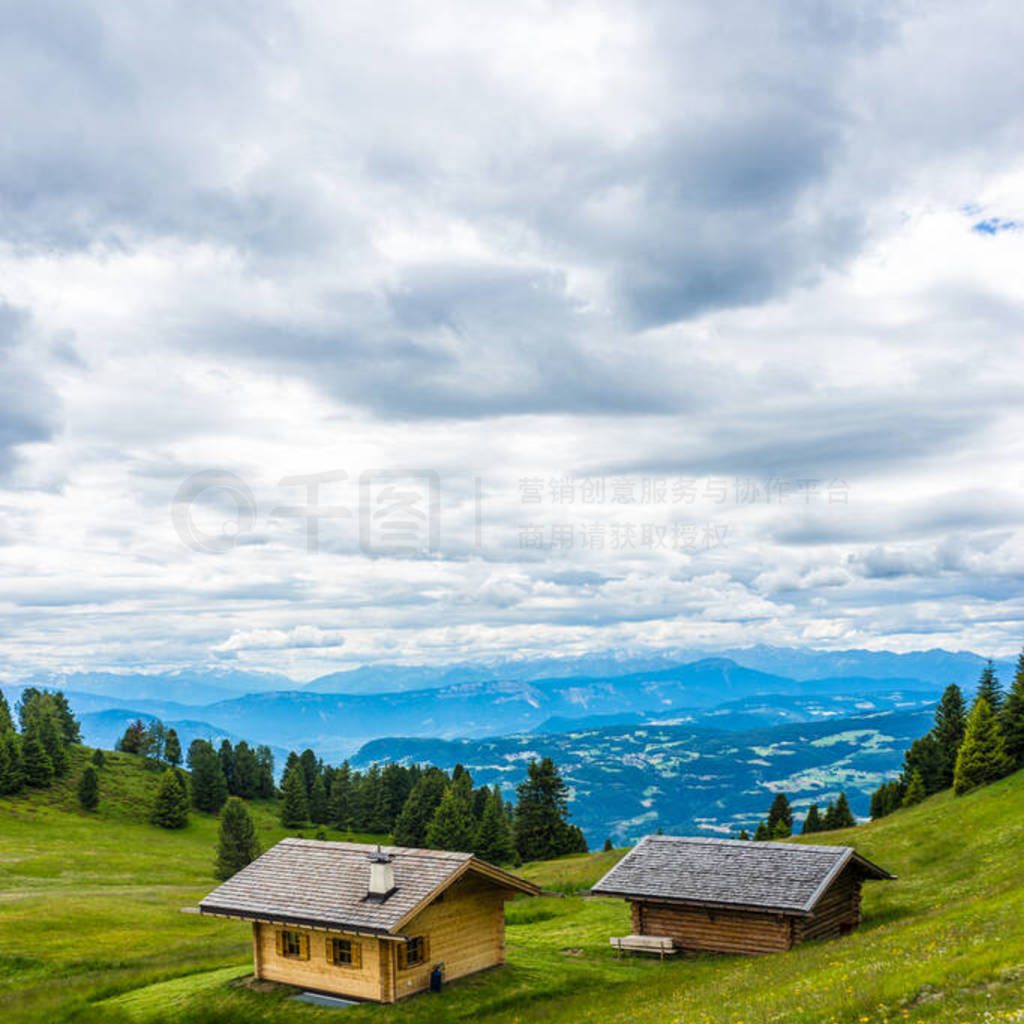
column 367, row 922
column 732, row 896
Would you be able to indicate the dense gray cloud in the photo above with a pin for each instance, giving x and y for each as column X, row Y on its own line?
column 764, row 246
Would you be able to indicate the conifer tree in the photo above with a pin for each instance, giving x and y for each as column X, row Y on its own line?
column 927, row 759
column 70, row 730
column 828, row 820
column 172, row 748
column 209, row 787
column 245, row 778
column 542, row 807
column 744, row 835
column 780, row 813
column 170, row 809
column 916, row 790
column 493, row 840
column 295, row 804
column 12, row 776
column 318, row 802
column 950, row 722
column 99, row 758
column 227, row 763
column 265, row 788
column 843, row 816
column 310, row 769
column 395, row 786
column 1012, row 717
column 6, row 722
column 982, row 756
column 990, row 689
column 452, row 827
column 131, row 741
column 339, row 802
column 812, row 822
column 761, row 833
column 237, row 844
column 423, row 801
column 36, row 764
column 607, row 848
column 89, row 789
column 47, row 728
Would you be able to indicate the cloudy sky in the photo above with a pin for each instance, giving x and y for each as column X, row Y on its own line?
column 582, row 325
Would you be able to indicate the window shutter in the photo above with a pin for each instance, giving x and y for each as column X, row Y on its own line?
column 280, row 942
column 303, row 947
column 329, row 947
column 426, row 949
column 357, row 955
column 403, row 957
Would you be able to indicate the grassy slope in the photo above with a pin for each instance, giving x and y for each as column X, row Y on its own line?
column 89, row 928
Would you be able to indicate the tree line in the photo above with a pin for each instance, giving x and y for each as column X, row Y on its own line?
column 963, row 749
column 34, row 751
column 779, row 823
column 424, row 806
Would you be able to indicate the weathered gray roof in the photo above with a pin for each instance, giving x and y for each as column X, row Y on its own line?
column 729, row 872
column 305, row 881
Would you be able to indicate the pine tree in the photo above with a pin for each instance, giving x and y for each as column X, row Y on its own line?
column 99, row 758
column 172, row 748
column 6, row 722
column 227, row 763
column 131, row 741
column 926, row 759
column 170, row 809
column 265, row 788
column 990, row 689
column 950, row 722
column 828, row 820
column 1012, row 717
column 423, row 801
column 294, row 805
column 983, row 756
column 395, row 785
column 842, row 815
column 493, row 840
column 607, row 848
column 237, row 844
column 246, row 772
column 812, row 822
column 209, row 787
column 542, row 807
column 339, row 803
column 36, row 763
column 744, row 835
column 780, row 813
column 452, row 827
column 916, row 790
column 154, row 739
column 89, row 789
column 12, row 776
column 70, row 730
column 310, row 769
column 318, row 802
column 761, row 833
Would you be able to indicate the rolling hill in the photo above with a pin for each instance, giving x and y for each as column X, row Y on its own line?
column 90, row 931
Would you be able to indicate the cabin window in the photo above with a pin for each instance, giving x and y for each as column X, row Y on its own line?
column 344, row 953
column 293, row 945
column 413, row 952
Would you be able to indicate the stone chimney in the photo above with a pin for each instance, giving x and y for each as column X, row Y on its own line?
column 382, row 876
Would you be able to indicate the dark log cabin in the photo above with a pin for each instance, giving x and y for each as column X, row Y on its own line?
column 731, row 896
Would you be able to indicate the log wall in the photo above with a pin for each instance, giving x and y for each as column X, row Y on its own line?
column 837, row 912
column 719, row 931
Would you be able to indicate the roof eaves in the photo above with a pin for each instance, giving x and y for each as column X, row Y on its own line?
column 830, row 877
column 293, row 919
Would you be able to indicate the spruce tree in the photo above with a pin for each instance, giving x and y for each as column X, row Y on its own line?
column 423, row 801
column 452, row 827
column 950, row 722
column 780, row 813
column 744, row 835
column 542, row 807
column 916, row 790
column 294, row 805
column 395, row 785
column 172, row 748
column 339, row 802
column 493, row 839
column 6, row 722
column 227, row 763
column 843, row 816
column 310, row 769
column 812, row 822
column 990, row 689
column 209, row 787
column 761, row 833
column 131, row 741
column 89, row 789
column 36, row 763
column 237, row 844
column 47, row 728
column 607, row 848
column 265, row 788
column 70, row 730
column 983, row 756
column 1012, row 716
column 828, row 820
column 170, row 809
column 318, row 802
column 927, row 759
column 99, row 758
column 246, row 772
column 12, row 776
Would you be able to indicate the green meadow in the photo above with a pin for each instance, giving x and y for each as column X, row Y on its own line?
column 91, row 928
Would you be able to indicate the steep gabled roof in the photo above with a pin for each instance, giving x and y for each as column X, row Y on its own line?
column 323, row 884
column 787, row 877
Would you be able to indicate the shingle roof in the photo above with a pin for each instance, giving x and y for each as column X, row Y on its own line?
column 305, row 881
column 728, row 872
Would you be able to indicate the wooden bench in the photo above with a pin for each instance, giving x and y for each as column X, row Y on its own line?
column 660, row 944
